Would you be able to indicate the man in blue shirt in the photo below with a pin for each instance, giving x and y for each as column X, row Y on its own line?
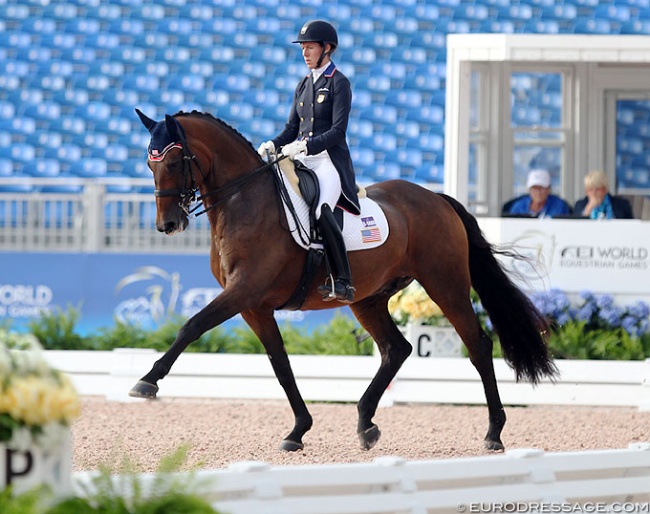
column 539, row 202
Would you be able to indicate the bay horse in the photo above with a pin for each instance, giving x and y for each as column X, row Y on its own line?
column 433, row 239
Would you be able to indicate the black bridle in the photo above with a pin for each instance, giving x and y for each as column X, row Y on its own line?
column 187, row 193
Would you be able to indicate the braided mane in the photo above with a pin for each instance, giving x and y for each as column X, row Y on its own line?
column 220, row 122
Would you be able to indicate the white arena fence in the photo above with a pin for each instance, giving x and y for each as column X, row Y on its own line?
column 521, row 480
column 446, row 380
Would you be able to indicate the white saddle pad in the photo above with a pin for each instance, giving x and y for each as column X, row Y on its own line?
column 368, row 230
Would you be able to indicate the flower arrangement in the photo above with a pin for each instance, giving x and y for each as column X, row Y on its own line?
column 591, row 327
column 37, row 403
column 413, row 305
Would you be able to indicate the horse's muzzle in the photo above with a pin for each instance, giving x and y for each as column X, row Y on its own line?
column 172, row 227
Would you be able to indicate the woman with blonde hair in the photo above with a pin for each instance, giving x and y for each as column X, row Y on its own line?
column 599, row 203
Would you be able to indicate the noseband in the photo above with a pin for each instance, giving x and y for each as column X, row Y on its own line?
column 187, row 193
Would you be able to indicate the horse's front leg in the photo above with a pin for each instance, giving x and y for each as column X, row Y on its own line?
column 213, row 314
column 266, row 328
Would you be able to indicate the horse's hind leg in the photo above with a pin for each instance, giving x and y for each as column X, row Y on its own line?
column 458, row 310
column 373, row 315
column 266, row 328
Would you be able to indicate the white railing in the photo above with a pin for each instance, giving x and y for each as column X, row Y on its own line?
column 345, row 378
column 89, row 215
column 521, row 480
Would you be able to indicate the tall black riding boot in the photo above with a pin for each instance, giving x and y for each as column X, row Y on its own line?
column 341, row 287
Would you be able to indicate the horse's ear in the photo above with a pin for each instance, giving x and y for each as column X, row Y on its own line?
column 172, row 128
column 146, row 121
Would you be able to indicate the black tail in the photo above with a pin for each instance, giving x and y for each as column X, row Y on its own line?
column 520, row 326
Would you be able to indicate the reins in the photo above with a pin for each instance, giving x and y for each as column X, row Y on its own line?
column 232, row 184
column 188, row 194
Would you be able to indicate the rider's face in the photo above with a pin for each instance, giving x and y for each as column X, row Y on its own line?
column 311, row 52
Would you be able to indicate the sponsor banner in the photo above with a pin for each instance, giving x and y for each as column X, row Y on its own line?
column 604, row 257
column 134, row 288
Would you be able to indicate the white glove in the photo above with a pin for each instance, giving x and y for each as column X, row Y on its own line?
column 293, row 149
column 266, row 146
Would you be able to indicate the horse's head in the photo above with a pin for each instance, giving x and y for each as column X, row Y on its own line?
column 173, row 170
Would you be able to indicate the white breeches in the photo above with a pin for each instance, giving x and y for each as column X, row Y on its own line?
column 328, row 178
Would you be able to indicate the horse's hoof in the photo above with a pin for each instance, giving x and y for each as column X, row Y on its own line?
column 291, row 446
column 369, row 437
column 495, row 446
column 144, row 390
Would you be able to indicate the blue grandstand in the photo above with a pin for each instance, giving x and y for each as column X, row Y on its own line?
column 72, row 73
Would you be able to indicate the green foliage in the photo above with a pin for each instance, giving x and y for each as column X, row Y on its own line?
column 26, row 503
column 55, row 330
column 118, row 489
column 340, row 337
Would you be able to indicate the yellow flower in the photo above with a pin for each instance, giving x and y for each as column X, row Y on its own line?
column 413, row 304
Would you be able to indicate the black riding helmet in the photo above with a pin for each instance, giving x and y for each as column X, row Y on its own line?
column 318, row 31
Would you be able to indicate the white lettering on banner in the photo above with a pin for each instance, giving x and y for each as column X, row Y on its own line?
column 197, row 298
column 23, row 294
column 24, row 301
column 565, row 253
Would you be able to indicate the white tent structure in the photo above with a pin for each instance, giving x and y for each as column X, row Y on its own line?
column 494, row 132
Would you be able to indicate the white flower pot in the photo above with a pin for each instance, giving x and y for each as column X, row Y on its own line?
column 429, row 341
column 26, row 469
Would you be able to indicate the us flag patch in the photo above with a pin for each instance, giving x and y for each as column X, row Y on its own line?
column 370, row 235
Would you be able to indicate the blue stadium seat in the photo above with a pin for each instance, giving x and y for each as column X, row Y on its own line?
column 218, row 54
column 380, row 114
column 89, row 168
column 42, row 168
column 176, row 26
column 363, row 159
column 408, row 98
column 121, row 97
column 59, row 41
column 613, row 12
column 38, row 25
column 641, row 26
column 102, row 40
column 141, row 83
column 45, row 111
column 112, row 153
column 34, row 54
column 147, row 11
column 174, row 55
column 187, row 82
column 411, row 55
column 106, row 11
column 7, row 110
column 430, row 173
column 93, row 112
column 90, row 140
column 18, row 152
column 542, row 26
column 44, row 139
column 19, row 125
column 136, row 168
column 385, row 171
column 129, row 55
column 60, row 11
column 20, row 69
column 592, row 26
column 560, row 12
column 6, row 167
column 196, row 11
column 82, row 25
column 427, row 114
column 79, row 54
column 10, row 83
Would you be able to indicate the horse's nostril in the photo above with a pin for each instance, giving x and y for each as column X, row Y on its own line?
column 169, row 227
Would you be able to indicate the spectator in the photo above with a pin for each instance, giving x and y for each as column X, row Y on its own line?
column 539, row 202
column 599, row 204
